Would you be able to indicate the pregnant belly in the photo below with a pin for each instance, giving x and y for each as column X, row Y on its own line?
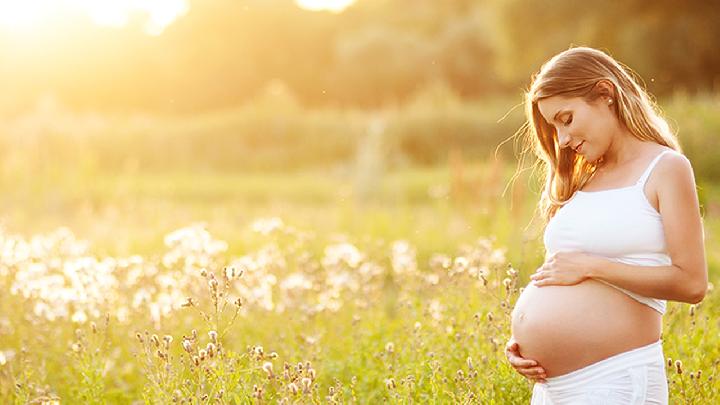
column 565, row 328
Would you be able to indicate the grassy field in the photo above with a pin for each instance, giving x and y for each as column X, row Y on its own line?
column 306, row 287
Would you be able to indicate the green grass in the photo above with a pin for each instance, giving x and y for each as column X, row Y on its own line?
column 436, row 210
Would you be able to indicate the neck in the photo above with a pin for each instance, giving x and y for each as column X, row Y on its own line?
column 623, row 148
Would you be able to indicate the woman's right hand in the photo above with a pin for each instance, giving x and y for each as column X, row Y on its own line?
column 529, row 369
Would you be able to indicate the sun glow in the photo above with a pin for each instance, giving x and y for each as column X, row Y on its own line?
column 28, row 15
column 329, row 5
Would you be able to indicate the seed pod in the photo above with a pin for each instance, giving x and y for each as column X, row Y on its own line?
column 268, row 368
column 306, row 382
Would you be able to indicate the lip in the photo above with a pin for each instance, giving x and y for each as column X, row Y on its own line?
column 579, row 148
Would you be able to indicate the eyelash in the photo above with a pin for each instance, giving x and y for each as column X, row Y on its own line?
column 568, row 121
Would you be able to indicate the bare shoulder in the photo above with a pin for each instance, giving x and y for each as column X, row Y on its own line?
column 674, row 175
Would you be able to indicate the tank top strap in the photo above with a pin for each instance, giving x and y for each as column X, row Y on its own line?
column 652, row 164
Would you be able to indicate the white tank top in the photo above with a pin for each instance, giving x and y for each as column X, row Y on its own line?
column 619, row 224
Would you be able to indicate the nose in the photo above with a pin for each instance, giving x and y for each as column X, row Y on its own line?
column 564, row 139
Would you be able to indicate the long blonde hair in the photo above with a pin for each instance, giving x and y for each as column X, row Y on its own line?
column 574, row 73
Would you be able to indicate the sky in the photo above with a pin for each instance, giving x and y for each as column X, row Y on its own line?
column 23, row 16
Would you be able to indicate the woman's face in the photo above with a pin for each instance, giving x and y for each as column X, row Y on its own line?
column 592, row 126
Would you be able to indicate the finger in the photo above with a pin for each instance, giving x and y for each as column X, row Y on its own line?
column 519, row 362
column 544, row 281
column 534, row 371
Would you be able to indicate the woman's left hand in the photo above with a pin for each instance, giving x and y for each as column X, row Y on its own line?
column 565, row 268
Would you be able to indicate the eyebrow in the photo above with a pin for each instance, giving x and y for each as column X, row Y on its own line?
column 558, row 113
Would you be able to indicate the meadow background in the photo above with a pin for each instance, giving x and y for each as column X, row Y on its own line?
column 273, row 201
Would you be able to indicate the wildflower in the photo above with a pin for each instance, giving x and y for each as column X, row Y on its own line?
column 213, row 336
column 692, row 310
column 188, row 302
column 460, row 374
column 417, row 327
column 229, row 272
column 93, row 327
column 390, row 347
column 139, row 337
column 273, row 355
column 469, row 363
column 196, row 360
column 699, row 374
column 678, row 366
column 490, row 316
column 293, row 388
column 203, row 354
column 669, row 362
column 156, row 341
column 268, row 368
column 210, row 348
column 311, row 373
column 306, row 382
column 390, row 383
column 167, row 339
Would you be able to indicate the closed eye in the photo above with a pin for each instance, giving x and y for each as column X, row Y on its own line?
column 569, row 120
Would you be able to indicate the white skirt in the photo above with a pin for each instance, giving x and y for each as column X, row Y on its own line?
column 633, row 377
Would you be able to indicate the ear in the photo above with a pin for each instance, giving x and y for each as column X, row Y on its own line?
column 605, row 89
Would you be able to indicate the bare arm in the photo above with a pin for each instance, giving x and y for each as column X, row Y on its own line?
column 686, row 279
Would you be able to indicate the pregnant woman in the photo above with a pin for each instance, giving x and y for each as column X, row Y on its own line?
column 623, row 234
